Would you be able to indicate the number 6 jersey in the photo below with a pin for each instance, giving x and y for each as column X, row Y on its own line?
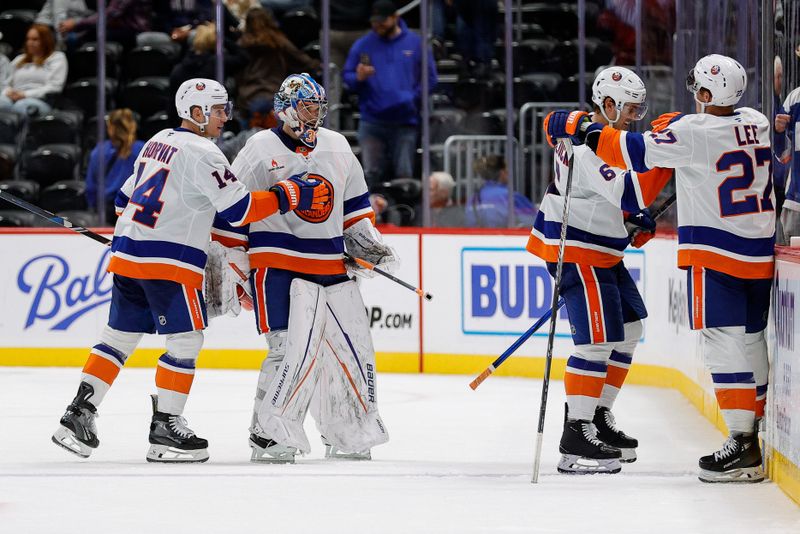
column 166, row 208
column 723, row 170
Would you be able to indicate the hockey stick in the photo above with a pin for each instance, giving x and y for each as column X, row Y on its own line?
column 369, row 266
column 514, row 346
column 53, row 218
column 548, row 362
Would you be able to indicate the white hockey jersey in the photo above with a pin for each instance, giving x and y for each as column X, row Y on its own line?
column 167, row 206
column 596, row 233
column 307, row 241
column 723, row 171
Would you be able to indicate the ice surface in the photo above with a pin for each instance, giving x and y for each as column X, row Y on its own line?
column 458, row 461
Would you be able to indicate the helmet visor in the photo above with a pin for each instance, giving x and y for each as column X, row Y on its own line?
column 227, row 108
column 691, row 83
column 635, row 110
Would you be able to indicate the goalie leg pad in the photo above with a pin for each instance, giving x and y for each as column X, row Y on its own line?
column 348, row 415
column 286, row 402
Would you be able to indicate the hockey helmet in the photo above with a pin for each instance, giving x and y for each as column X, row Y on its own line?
column 302, row 104
column 203, row 93
column 624, row 87
column 722, row 76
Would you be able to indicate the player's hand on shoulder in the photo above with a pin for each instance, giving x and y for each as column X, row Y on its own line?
column 641, row 227
column 301, row 193
column 566, row 124
column 664, row 120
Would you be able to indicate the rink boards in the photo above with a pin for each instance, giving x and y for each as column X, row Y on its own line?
column 55, row 293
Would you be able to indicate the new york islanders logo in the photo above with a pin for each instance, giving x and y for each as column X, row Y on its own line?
column 200, row 86
column 321, row 215
column 715, row 70
column 617, row 76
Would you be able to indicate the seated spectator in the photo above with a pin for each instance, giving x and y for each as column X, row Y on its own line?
column 444, row 212
column 488, row 208
column 120, row 150
column 124, row 19
column 41, row 70
column 54, row 12
column 200, row 61
column 271, row 58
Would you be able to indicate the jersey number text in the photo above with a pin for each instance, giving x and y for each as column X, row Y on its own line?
column 728, row 207
column 147, row 196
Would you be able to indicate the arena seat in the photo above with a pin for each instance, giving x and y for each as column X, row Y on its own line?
column 14, row 24
column 82, row 95
column 11, row 219
column 52, row 163
column 9, row 127
column 444, row 123
column 482, row 123
column 146, row 96
column 84, row 218
column 8, row 159
column 149, row 61
column 154, row 124
column 531, row 55
column 55, row 127
column 160, row 39
column 66, row 195
column 83, row 62
column 301, row 26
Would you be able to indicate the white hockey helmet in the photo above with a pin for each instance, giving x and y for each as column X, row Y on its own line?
column 203, row 93
column 302, row 104
column 623, row 86
column 722, row 76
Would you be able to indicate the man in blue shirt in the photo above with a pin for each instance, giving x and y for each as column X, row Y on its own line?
column 385, row 69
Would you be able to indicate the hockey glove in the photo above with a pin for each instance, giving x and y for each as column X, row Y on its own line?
column 641, row 227
column 362, row 240
column 296, row 192
column 560, row 124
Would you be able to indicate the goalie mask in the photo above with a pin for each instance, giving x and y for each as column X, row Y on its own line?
column 302, row 104
column 202, row 93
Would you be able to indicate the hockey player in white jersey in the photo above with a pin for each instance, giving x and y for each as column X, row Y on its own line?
column 726, row 233
column 158, row 255
column 604, row 306
column 310, row 312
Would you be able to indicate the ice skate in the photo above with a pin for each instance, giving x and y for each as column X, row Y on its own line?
column 584, row 454
column 267, row 451
column 78, row 433
column 608, row 433
column 334, row 453
column 739, row 461
column 171, row 441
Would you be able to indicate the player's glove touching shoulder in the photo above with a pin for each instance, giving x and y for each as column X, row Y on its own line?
column 297, row 192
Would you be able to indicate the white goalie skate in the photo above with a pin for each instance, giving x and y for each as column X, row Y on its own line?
column 267, row 451
column 334, row 453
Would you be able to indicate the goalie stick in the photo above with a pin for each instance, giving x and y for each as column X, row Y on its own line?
column 367, row 265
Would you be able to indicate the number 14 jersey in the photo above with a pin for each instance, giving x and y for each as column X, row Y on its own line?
column 723, row 172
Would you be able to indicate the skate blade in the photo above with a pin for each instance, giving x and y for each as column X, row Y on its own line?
column 572, row 464
column 744, row 475
column 277, row 454
column 172, row 455
column 628, row 456
column 65, row 438
column 335, row 454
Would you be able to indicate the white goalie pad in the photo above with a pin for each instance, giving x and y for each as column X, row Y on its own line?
column 345, row 408
column 285, row 404
column 362, row 240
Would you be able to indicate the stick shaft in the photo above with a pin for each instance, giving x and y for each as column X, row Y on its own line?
column 367, row 265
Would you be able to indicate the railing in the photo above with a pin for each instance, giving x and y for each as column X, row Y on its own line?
column 461, row 152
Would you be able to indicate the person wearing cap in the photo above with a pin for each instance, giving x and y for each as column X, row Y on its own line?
column 385, row 69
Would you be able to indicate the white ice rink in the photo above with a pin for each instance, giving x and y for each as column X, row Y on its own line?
column 458, row 461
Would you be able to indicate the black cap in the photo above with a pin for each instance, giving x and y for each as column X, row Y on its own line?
column 381, row 10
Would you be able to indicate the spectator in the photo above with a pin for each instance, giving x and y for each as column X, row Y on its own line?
column 54, row 12
column 124, row 19
column 239, row 8
column 384, row 69
column 120, row 151
column 271, row 58
column 180, row 18
column 41, row 70
column 444, row 212
column 488, row 208
column 200, row 61
column 475, row 35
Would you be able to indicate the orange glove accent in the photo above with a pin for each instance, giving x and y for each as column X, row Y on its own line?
column 641, row 237
column 663, row 120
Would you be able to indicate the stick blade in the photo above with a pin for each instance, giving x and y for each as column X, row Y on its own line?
column 479, row 379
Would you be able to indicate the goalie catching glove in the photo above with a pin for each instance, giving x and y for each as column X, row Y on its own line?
column 297, row 192
column 362, row 240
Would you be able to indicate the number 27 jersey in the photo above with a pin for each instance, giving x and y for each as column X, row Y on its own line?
column 723, row 172
column 167, row 206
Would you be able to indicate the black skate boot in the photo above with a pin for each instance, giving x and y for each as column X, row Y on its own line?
column 608, row 433
column 78, row 433
column 268, row 451
column 582, row 453
column 739, row 460
column 171, row 441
